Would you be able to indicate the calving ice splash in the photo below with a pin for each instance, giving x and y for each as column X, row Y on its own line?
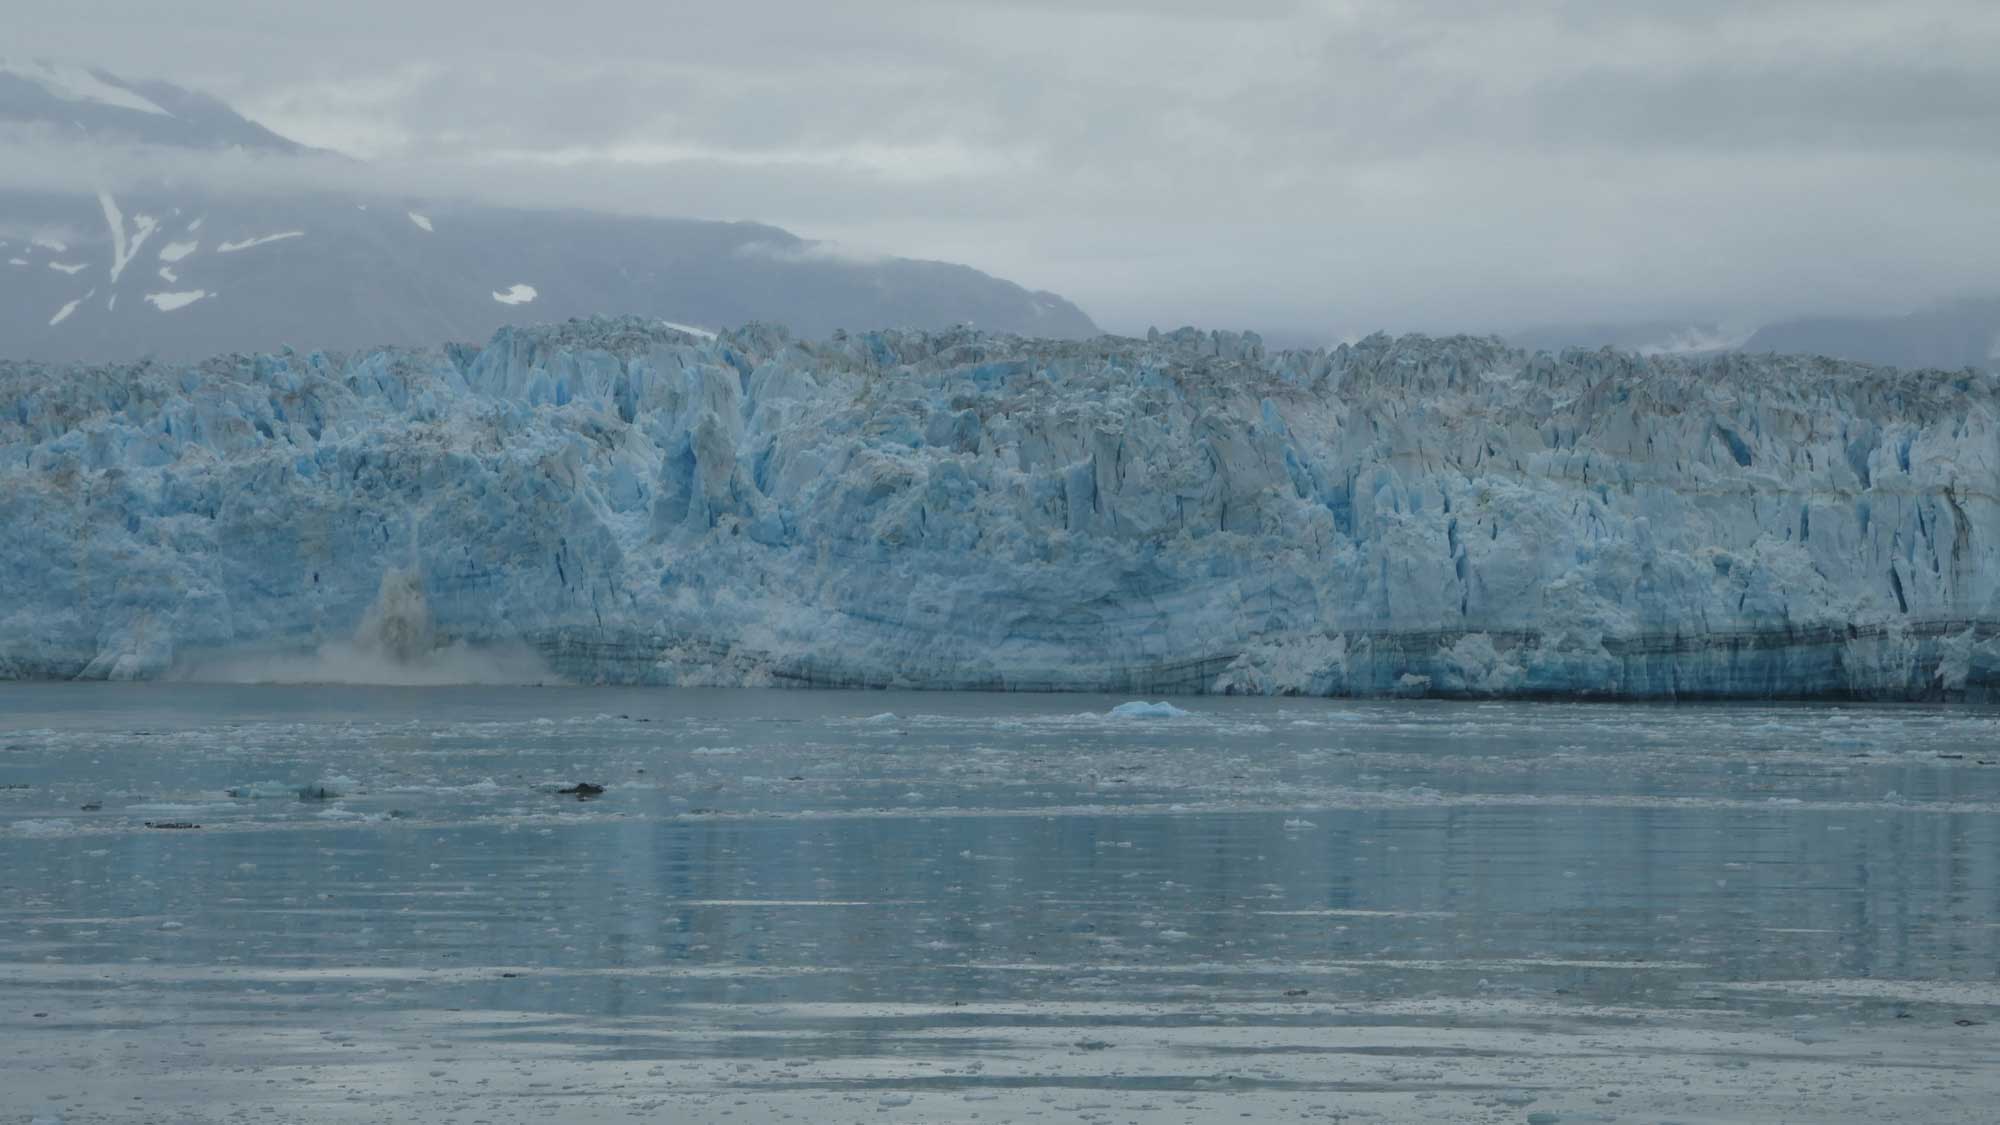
column 630, row 502
column 395, row 644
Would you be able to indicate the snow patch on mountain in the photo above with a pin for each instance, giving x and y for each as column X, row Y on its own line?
column 168, row 302
column 422, row 222
column 233, row 247
column 516, row 295
column 71, row 268
column 124, row 246
column 63, row 313
column 76, row 84
column 175, row 251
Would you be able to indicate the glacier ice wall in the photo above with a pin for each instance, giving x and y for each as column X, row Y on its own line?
column 1181, row 513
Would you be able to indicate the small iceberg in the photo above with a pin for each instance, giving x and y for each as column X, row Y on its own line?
column 329, row 788
column 1140, row 709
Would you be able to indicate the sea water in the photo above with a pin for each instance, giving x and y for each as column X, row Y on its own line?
column 944, row 907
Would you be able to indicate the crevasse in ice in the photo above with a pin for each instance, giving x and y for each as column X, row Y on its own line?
column 952, row 510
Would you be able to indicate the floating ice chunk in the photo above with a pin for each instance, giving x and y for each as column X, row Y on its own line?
column 42, row 827
column 263, row 789
column 338, row 813
column 1140, row 709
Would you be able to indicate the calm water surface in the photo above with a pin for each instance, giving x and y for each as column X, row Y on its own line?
column 935, row 907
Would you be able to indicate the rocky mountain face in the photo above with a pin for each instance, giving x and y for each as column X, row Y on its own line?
column 180, row 271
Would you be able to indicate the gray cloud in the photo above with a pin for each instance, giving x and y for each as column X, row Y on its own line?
column 1319, row 168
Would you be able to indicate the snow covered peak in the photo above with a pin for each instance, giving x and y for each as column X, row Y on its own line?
column 79, row 101
column 77, row 84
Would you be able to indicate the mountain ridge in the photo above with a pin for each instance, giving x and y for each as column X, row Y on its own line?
column 183, row 271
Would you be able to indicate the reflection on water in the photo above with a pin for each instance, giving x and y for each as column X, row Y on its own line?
column 949, row 897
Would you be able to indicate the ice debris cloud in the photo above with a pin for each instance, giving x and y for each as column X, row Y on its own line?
column 1184, row 513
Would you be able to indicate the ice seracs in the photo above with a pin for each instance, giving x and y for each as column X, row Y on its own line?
column 1184, row 513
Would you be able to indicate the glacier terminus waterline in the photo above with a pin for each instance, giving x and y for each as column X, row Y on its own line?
column 633, row 503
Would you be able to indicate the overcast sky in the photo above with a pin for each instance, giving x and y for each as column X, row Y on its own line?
column 1323, row 167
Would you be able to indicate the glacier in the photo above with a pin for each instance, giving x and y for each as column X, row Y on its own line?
column 1184, row 513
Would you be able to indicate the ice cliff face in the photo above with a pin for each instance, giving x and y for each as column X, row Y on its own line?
column 1184, row 513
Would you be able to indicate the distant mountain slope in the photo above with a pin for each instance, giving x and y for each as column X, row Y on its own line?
column 105, row 107
column 179, row 272
column 1652, row 337
column 1952, row 336
column 1949, row 337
